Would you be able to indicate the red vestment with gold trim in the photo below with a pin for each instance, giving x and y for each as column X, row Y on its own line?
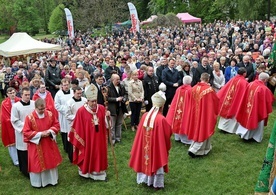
column 230, row 96
column 45, row 155
column 178, row 111
column 150, row 150
column 89, row 141
column 203, row 108
column 255, row 106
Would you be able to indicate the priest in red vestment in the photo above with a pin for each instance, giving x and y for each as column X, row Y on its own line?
column 203, row 108
column 89, row 137
column 150, row 150
column 177, row 113
column 40, row 130
column 254, row 109
column 230, row 97
column 7, row 130
column 46, row 95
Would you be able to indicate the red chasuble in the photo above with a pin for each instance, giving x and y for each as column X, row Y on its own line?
column 256, row 105
column 231, row 95
column 203, row 110
column 8, row 135
column 45, row 155
column 150, row 150
column 89, row 141
column 177, row 114
column 50, row 104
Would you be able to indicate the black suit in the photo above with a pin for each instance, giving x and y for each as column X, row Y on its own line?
column 114, row 106
column 197, row 74
column 169, row 77
column 150, row 85
column 250, row 73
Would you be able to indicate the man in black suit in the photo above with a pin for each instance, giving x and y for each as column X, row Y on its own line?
column 203, row 67
column 250, row 73
column 172, row 79
column 98, row 82
column 111, row 68
column 150, row 84
column 161, row 67
column 117, row 107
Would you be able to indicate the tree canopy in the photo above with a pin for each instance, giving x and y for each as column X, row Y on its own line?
column 34, row 15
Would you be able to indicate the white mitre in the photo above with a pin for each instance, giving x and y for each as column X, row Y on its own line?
column 158, row 101
column 91, row 92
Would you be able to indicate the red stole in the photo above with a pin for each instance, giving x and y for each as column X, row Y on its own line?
column 8, row 135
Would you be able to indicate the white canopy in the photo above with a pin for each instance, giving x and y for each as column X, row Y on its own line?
column 21, row 43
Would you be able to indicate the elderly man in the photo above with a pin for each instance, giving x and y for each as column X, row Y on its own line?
column 117, row 107
column 250, row 73
column 18, row 114
column 88, row 136
column 177, row 114
column 40, row 130
column 254, row 109
column 7, row 130
column 202, row 68
column 203, row 106
column 150, row 150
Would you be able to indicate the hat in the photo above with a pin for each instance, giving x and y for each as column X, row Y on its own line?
column 162, row 87
column 91, row 92
column 158, row 99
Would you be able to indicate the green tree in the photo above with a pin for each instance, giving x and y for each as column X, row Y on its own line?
column 7, row 20
column 57, row 20
column 27, row 16
column 46, row 7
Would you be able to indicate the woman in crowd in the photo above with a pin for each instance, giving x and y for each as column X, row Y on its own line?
column 231, row 70
column 219, row 80
column 67, row 73
column 135, row 96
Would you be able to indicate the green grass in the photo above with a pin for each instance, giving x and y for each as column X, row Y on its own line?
column 232, row 167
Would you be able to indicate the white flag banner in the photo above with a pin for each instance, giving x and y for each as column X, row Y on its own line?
column 134, row 17
column 70, row 24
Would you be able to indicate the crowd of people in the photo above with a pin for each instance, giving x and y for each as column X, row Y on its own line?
column 184, row 77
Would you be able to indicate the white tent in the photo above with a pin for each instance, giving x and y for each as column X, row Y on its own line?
column 21, row 43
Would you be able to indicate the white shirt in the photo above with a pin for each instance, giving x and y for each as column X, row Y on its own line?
column 18, row 115
column 61, row 100
column 73, row 107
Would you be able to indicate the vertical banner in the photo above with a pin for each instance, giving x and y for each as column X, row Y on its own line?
column 133, row 17
column 70, row 24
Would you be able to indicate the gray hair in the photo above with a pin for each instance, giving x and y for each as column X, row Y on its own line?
column 187, row 80
column 263, row 76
